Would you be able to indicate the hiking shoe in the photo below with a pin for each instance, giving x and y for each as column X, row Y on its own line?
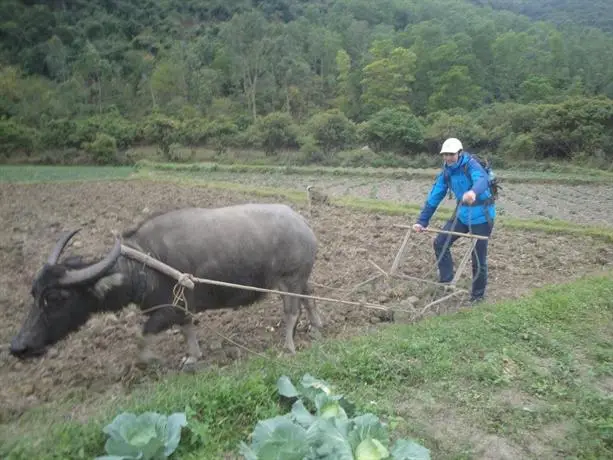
column 473, row 302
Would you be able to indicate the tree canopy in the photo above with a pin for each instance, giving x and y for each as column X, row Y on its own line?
column 214, row 69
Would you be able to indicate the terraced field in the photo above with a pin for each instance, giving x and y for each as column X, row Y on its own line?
column 588, row 204
column 96, row 363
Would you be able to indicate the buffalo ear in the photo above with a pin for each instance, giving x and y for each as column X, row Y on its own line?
column 107, row 283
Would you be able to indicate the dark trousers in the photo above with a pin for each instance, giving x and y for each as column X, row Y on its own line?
column 442, row 245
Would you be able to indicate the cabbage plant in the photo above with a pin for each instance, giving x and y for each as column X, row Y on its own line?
column 149, row 436
column 328, row 431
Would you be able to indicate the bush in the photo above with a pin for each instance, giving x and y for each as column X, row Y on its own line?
column 332, row 130
column 222, row 133
column 193, row 131
column 123, row 131
column 518, row 146
column 442, row 125
column 17, row 138
column 395, row 129
column 103, row 149
column 275, row 131
column 59, row 133
column 161, row 130
column 576, row 125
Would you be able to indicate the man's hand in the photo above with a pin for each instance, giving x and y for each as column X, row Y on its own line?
column 418, row 228
column 469, row 197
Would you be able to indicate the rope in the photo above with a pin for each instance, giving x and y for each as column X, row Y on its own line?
column 293, row 294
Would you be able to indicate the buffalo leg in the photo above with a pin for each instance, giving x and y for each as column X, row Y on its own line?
column 191, row 339
column 159, row 321
column 145, row 354
column 291, row 310
column 312, row 313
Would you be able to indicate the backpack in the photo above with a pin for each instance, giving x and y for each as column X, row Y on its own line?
column 492, row 179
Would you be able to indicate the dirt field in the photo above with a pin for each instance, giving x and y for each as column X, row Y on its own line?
column 97, row 358
column 519, row 200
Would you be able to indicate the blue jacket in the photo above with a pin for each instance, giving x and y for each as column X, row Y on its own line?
column 460, row 184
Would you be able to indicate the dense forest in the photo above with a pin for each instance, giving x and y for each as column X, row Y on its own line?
column 512, row 78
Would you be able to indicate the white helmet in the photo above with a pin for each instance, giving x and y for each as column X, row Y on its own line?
column 451, row 145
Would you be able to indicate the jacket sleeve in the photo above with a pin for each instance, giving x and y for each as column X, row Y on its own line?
column 479, row 177
column 436, row 195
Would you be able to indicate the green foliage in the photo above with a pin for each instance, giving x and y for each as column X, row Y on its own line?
column 221, row 132
column 103, row 149
column 162, row 131
column 442, row 125
column 395, row 129
column 559, row 11
column 387, row 79
column 124, row 131
column 17, row 138
column 520, row 146
column 190, row 73
column 149, row 436
column 332, row 130
column 276, row 131
column 322, row 425
column 194, row 131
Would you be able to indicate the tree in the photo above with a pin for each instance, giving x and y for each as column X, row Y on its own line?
column 249, row 41
column 455, row 89
column 387, row 79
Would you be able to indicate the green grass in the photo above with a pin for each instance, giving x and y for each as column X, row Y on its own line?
column 531, row 373
column 27, row 174
column 381, row 206
column 31, row 174
column 571, row 176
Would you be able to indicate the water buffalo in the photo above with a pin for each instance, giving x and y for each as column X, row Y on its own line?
column 265, row 245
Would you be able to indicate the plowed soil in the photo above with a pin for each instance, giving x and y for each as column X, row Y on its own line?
column 99, row 357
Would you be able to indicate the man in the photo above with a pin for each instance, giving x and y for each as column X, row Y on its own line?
column 475, row 212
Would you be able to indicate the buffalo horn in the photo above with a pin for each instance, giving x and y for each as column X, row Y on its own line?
column 93, row 271
column 60, row 245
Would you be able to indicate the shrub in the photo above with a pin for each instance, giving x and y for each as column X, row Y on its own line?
column 443, row 125
column 17, row 138
column 275, row 131
column 332, row 130
column 193, row 131
column 394, row 128
column 518, row 146
column 161, row 130
column 103, row 149
column 59, row 133
column 221, row 133
column 122, row 130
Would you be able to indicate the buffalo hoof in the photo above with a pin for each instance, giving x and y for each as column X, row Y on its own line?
column 189, row 364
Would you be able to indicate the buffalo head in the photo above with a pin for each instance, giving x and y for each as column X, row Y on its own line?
column 64, row 296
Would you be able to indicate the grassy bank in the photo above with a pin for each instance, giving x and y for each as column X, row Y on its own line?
column 571, row 176
column 31, row 174
column 528, row 378
column 380, row 206
column 42, row 173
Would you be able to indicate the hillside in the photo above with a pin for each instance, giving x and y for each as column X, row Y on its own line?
column 598, row 13
column 285, row 74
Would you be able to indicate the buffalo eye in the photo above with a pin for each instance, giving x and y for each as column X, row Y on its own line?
column 52, row 297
